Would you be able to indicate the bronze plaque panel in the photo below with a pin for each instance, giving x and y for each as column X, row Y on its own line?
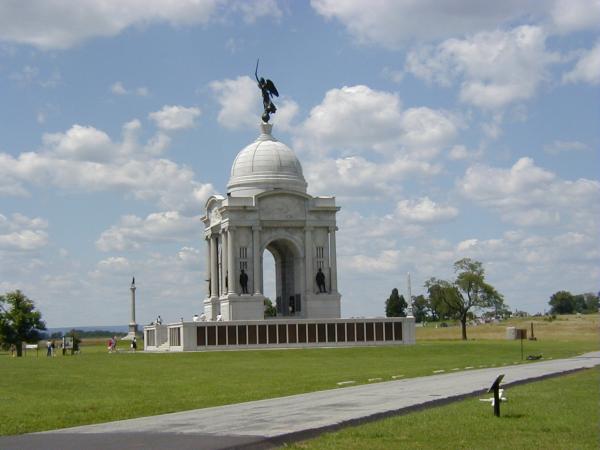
column 291, row 331
column 241, row 334
column 252, row 338
column 370, row 334
column 262, row 334
column 397, row 331
column 351, row 330
column 221, row 338
column 312, row 332
column 360, row 331
column 231, row 338
column 379, row 331
column 282, row 336
column 321, row 332
column 341, row 332
column 331, row 332
column 211, row 331
column 201, row 336
column 389, row 331
column 302, row 333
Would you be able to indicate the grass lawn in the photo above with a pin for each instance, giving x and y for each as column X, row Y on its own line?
column 558, row 413
column 40, row 393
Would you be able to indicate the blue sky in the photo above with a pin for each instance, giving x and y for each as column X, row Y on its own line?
column 446, row 129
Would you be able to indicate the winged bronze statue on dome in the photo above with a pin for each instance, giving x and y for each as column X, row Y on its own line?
column 268, row 90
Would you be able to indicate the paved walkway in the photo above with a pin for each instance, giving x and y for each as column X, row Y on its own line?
column 267, row 423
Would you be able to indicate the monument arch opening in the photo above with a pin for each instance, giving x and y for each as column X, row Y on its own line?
column 288, row 276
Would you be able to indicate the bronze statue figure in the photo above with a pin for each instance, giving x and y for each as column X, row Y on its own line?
column 268, row 90
column 320, row 278
column 244, row 282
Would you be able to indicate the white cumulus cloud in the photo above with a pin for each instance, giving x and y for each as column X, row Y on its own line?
column 393, row 23
column 496, row 68
column 240, row 106
column 87, row 159
column 118, row 88
column 132, row 231
column 175, row 117
column 575, row 15
column 21, row 233
column 587, row 68
column 529, row 195
column 424, row 210
column 60, row 24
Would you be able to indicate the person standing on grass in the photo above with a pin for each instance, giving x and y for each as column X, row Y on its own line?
column 134, row 344
column 113, row 346
column 49, row 348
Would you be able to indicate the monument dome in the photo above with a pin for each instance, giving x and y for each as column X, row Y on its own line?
column 264, row 165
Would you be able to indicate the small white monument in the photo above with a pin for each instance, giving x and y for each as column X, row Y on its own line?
column 267, row 208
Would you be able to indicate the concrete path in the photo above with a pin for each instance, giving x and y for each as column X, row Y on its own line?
column 267, row 423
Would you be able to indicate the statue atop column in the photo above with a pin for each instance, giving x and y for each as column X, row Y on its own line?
column 268, row 90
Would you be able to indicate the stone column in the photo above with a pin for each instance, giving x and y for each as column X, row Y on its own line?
column 308, row 261
column 224, row 265
column 231, row 261
column 409, row 309
column 256, row 265
column 332, row 260
column 208, row 266
column 214, row 267
column 132, row 324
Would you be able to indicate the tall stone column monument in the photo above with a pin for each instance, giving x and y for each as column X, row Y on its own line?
column 133, row 328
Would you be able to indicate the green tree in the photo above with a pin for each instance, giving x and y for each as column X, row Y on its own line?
column 420, row 308
column 592, row 303
column 75, row 334
column 270, row 310
column 441, row 296
column 579, row 303
column 19, row 321
column 562, row 302
column 469, row 290
column 395, row 305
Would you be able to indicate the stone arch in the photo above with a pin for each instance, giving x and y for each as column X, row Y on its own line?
column 289, row 273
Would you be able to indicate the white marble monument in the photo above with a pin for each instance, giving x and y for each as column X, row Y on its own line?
column 267, row 208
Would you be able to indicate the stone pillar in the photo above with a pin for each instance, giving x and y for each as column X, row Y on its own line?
column 224, row 265
column 231, row 261
column 132, row 324
column 256, row 265
column 332, row 260
column 409, row 309
column 214, row 267
column 208, row 266
column 308, row 261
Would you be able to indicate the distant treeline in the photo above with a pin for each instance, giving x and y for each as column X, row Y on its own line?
column 81, row 334
column 563, row 302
